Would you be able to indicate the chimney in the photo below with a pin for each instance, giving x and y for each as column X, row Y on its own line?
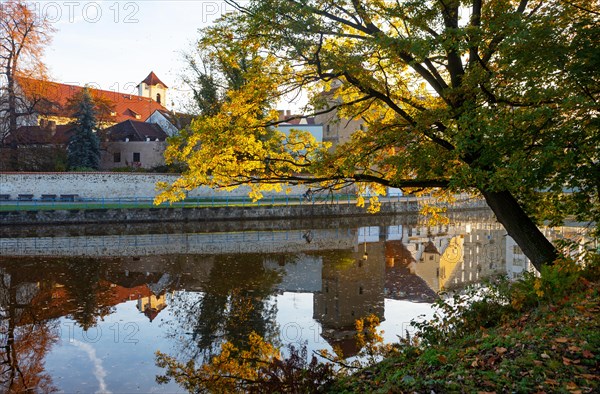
column 52, row 127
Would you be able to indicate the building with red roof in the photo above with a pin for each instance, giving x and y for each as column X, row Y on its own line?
column 136, row 126
column 50, row 100
column 133, row 143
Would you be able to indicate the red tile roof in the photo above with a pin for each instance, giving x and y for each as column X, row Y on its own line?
column 430, row 248
column 135, row 131
column 295, row 119
column 152, row 79
column 51, row 99
column 37, row 135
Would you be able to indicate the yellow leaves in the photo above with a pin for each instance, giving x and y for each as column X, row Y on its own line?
column 433, row 214
column 233, row 365
column 255, row 195
column 360, row 201
column 374, row 205
column 537, row 286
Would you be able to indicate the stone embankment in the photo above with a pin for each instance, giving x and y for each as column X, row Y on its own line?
column 189, row 214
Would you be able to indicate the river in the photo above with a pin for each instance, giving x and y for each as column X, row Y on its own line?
column 85, row 308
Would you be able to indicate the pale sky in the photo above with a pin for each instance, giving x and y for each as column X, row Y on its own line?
column 113, row 45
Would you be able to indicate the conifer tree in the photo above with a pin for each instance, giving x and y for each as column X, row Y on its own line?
column 84, row 146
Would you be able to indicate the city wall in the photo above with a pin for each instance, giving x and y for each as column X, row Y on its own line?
column 100, row 185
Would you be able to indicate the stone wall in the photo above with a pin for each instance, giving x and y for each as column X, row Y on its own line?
column 164, row 215
column 290, row 241
column 99, row 185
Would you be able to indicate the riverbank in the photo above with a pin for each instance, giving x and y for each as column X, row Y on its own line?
column 192, row 213
column 552, row 347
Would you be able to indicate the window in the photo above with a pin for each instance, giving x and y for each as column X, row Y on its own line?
column 158, row 98
column 328, row 129
column 117, row 157
column 136, row 157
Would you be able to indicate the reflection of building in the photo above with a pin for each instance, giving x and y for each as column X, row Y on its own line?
column 352, row 288
column 447, row 256
column 400, row 282
column 151, row 305
column 45, row 294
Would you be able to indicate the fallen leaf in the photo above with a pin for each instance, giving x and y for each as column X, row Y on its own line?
column 544, row 355
column 500, row 350
column 443, row 359
column 551, row 382
column 561, row 340
column 587, row 354
column 566, row 361
column 574, row 349
column 571, row 386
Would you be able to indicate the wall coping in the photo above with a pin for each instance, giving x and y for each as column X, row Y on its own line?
column 89, row 173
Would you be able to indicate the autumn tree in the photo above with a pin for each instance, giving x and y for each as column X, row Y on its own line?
column 495, row 97
column 217, row 64
column 83, row 150
column 23, row 37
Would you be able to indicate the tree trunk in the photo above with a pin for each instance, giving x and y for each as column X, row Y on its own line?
column 521, row 228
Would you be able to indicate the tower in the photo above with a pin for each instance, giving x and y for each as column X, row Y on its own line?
column 153, row 88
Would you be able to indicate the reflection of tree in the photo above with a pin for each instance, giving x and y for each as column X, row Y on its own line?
column 25, row 341
column 235, row 303
column 89, row 292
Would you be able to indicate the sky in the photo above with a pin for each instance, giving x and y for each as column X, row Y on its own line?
column 113, row 45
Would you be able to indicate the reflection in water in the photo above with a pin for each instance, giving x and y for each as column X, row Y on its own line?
column 352, row 287
column 231, row 301
column 25, row 338
column 188, row 304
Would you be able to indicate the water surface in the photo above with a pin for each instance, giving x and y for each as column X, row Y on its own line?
column 85, row 308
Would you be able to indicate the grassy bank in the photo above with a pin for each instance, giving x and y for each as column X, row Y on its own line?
column 547, row 339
